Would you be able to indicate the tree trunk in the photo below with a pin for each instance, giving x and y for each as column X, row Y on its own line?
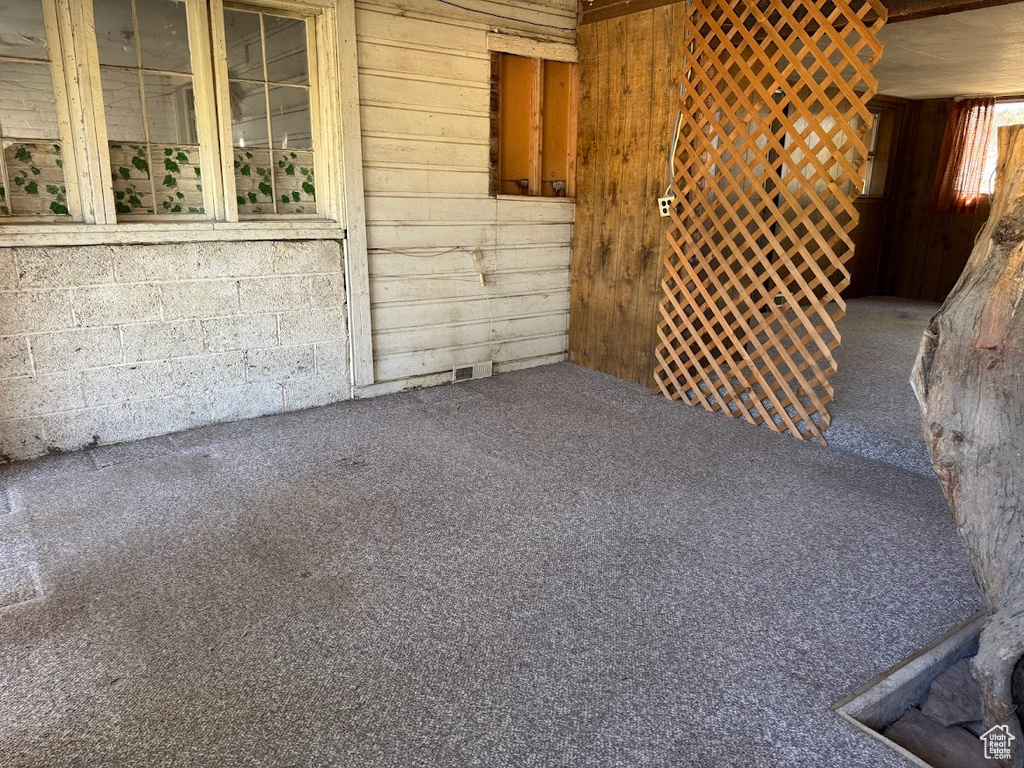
column 969, row 381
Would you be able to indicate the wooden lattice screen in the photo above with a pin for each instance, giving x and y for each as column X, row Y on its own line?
column 770, row 156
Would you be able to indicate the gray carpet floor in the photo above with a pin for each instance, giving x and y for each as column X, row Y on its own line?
column 548, row 568
column 874, row 413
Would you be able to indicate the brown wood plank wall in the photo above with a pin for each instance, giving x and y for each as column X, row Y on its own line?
column 924, row 252
column 629, row 85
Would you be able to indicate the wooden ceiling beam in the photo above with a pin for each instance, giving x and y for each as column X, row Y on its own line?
column 899, row 10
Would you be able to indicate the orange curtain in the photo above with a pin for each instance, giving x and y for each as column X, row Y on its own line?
column 959, row 179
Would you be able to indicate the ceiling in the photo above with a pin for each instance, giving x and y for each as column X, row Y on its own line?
column 960, row 54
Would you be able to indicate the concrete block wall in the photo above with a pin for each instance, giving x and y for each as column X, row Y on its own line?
column 103, row 344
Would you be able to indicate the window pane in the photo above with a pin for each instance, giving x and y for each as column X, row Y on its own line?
column 122, row 105
column 24, row 33
column 170, row 109
column 287, row 56
column 31, row 164
column 163, row 35
column 177, row 179
column 36, row 174
column 245, row 48
column 289, row 117
column 115, row 33
column 249, row 115
column 133, row 187
column 294, row 183
column 254, row 181
column 27, row 105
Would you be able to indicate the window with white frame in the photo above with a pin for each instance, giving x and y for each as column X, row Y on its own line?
column 193, row 110
column 32, row 181
column 149, row 106
column 270, row 92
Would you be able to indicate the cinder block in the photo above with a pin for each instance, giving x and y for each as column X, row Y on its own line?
column 112, row 304
column 169, row 414
column 159, row 341
column 312, row 325
column 279, row 363
column 8, row 270
column 14, row 359
column 227, row 259
column 126, row 383
column 65, row 267
column 200, row 298
column 259, row 295
column 242, row 332
column 326, row 291
column 72, row 430
column 21, row 439
column 147, row 263
column 300, row 257
column 314, row 391
column 332, row 359
column 38, row 395
column 75, row 349
column 31, row 311
column 208, row 372
column 246, row 402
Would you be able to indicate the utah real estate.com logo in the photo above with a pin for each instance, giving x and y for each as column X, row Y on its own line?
column 998, row 742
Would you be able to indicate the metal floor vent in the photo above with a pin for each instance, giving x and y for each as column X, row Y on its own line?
column 475, row 371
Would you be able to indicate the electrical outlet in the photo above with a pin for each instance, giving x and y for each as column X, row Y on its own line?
column 665, row 204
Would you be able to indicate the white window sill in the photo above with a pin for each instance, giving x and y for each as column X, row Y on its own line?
column 43, row 234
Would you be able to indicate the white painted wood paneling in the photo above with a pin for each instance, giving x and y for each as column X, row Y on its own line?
column 424, row 76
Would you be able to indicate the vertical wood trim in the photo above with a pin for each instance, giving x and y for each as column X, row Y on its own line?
column 328, row 160
column 69, row 109
column 226, row 158
column 494, row 186
column 536, row 126
column 319, row 117
column 357, row 272
column 206, row 108
column 581, row 277
column 570, row 145
column 88, row 119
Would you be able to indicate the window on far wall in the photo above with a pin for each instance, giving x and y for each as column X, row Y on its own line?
column 534, row 126
column 209, row 110
column 1005, row 113
column 879, row 142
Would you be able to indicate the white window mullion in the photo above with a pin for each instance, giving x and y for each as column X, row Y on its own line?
column 207, row 112
column 85, row 110
column 321, row 119
column 61, row 90
column 222, row 98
